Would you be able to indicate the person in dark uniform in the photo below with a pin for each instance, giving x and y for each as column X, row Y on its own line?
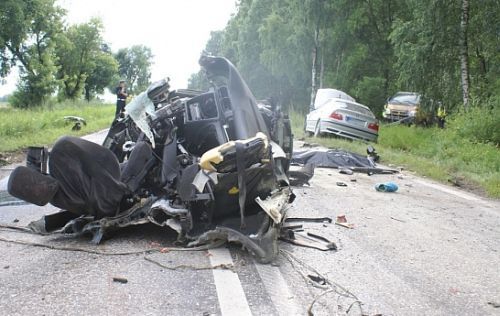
column 121, row 97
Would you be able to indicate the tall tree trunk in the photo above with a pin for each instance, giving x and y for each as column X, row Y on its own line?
column 322, row 69
column 464, row 54
column 87, row 94
column 314, row 66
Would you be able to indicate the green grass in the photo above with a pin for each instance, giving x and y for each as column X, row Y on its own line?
column 442, row 155
column 20, row 128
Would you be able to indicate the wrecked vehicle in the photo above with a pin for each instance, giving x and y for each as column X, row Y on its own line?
column 401, row 106
column 210, row 165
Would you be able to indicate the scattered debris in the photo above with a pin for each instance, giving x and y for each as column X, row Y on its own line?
column 318, row 279
column 341, row 184
column 306, row 239
column 386, row 187
column 306, row 144
column 78, row 121
column 296, row 235
column 109, row 253
column 164, row 250
column 397, row 219
column 344, row 170
column 221, row 266
column 372, row 153
column 309, row 219
column 301, row 176
column 120, row 280
column 342, row 221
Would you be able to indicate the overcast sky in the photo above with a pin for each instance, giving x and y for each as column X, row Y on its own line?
column 175, row 30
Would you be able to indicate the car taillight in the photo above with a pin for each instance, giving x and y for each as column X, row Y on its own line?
column 373, row 126
column 336, row 116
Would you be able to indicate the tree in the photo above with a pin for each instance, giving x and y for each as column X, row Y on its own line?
column 134, row 66
column 464, row 52
column 367, row 48
column 104, row 74
column 27, row 36
column 79, row 52
column 198, row 81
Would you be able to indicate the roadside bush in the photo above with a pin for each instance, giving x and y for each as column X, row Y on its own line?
column 478, row 124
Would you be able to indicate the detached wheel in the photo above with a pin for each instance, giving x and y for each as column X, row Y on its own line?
column 317, row 129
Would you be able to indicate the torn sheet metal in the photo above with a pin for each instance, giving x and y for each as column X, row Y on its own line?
column 306, row 239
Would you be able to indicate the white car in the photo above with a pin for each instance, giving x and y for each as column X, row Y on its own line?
column 342, row 117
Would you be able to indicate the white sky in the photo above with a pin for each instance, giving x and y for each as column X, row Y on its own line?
column 175, row 30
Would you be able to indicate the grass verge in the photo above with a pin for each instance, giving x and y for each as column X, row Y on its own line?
column 20, row 128
column 438, row 154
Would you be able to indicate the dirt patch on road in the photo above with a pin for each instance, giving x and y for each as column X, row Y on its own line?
column 10, row 160
column 12, row 157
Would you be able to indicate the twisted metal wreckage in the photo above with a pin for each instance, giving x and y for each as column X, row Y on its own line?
column 212, row 166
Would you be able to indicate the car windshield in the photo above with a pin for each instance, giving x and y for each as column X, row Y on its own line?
column 407, row 99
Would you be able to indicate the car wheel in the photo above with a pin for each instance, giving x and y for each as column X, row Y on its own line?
column 317, row 129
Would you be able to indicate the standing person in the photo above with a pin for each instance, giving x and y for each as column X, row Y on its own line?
column 121, row 97
column 441, row 116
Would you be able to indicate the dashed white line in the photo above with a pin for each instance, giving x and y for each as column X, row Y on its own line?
column 232, row 299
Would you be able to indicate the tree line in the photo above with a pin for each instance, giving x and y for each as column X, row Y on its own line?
column 70, row 61
column 447, row 50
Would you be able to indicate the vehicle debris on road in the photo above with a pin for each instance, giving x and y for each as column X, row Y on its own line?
column 210, row 165
column 301, row 176
column 386, row 187
column 120, row 280
column 342, row 221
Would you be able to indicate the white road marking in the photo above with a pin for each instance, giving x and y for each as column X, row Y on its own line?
column 447, row 190
column 278, row 290
column 232, row 299
column 3, row 183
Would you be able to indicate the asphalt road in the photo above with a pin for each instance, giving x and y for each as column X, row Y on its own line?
column 427, row 249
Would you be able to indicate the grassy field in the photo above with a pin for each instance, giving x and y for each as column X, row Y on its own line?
column 438, row 154
column 21, row 128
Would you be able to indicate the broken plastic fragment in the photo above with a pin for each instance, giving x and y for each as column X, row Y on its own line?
column 273, row 204
column 137, row 110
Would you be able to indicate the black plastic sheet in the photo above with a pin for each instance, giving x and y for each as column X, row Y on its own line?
column 332, row 158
